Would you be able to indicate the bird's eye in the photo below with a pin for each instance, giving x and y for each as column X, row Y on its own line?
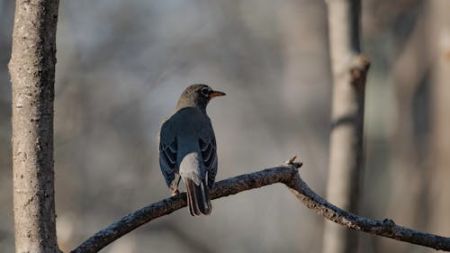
column 205, row 91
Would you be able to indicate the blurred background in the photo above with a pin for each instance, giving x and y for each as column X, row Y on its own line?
column 123, row 64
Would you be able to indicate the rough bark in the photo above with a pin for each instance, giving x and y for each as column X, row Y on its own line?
column 32, row 70
column 349, row 69
column 288, row 175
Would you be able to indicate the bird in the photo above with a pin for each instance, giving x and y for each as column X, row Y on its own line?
column 188, row 150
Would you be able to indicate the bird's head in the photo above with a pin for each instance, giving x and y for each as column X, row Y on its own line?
column 197, row 95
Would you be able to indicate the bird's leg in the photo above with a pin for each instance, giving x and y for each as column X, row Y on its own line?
column 174, row 187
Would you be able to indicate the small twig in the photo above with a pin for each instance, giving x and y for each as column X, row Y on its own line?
column 286, row 174
column 292, row 162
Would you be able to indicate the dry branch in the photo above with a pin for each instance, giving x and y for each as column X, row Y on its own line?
column 285, row 174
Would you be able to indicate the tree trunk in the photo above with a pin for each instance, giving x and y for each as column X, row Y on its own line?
column 407, row 200
column 349, row 77
column 32, row 70
column 440, row 92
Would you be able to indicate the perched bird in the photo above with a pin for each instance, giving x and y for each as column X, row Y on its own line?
column 188, row 150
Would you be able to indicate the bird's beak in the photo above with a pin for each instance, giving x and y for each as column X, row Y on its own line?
column 216, row 93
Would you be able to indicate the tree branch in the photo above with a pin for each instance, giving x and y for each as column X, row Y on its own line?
column 386, row 228
column 286, row 174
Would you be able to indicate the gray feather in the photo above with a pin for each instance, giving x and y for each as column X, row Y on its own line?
column 188, row 149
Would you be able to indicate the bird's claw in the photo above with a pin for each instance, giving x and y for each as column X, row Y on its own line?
column 175, row 192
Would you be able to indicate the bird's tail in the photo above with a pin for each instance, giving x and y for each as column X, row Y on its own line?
column 198, row 197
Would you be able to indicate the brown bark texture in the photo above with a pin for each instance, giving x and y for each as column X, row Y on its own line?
column 32, row 70
column 285, row 174
column 349, row 69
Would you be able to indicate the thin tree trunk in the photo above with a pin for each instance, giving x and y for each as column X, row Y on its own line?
column 32, row 70
column 410, row 75
column 440, row 93
column 349, row 77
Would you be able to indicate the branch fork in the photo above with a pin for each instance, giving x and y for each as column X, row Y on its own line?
column 286, row 174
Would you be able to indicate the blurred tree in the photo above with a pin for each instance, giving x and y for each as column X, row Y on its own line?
column 32, row 69
column 410, row 74
column 395, row 34
column 346, row 149
column 440, row 154
column 6, row 223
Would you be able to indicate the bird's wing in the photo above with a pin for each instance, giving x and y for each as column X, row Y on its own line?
column 168, row 153
column 208, row 150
